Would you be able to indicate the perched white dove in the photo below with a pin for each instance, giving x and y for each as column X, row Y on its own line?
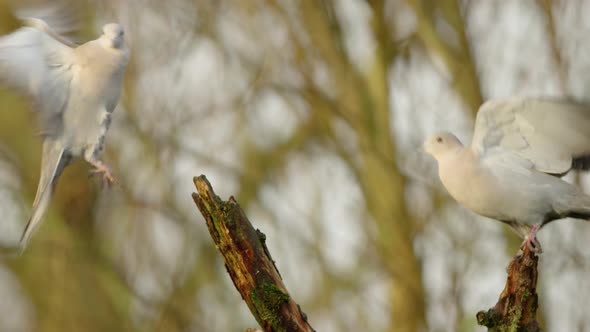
column 511, row 172
column 74, row 91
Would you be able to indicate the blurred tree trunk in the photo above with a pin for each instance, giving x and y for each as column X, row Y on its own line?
column 385, row 188
column 362, row 101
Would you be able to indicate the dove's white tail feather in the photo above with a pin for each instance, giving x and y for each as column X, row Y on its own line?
column 570, row 206
column 54, row 160
column 580, row 208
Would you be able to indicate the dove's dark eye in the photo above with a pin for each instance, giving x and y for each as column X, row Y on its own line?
column 439, row 139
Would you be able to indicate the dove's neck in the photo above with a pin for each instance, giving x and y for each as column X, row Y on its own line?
column 460, row 172
column 451, row 154
column 116, row 43
column 455, row 164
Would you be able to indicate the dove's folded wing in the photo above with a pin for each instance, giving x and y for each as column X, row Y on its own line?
column 38, row 66
column 550, row 133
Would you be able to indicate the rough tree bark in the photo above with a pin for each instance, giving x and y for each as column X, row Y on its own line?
column 517, row 306
column 248, row 262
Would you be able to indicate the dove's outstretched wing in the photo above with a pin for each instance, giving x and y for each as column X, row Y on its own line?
column 550, row 133
column 40, row 66
column 63, row 16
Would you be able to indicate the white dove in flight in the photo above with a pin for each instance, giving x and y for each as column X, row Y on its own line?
column 74, row 91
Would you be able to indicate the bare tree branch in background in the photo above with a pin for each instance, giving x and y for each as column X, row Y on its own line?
column 560, row 62
column 458, row 59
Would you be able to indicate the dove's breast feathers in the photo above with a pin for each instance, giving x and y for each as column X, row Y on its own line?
column 468, row 181
column 96, row 88
column 99, row 73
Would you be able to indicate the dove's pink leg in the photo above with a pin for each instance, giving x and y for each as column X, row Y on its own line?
column 103, row 170
column 531, row 240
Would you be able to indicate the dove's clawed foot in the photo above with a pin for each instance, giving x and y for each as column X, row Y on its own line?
column 104, row 172
column 531, row 241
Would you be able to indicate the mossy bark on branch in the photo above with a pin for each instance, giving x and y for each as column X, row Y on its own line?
column 248, row 262
column 516, row 309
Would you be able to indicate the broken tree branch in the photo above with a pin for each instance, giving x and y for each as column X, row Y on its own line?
column 517, row 306
column 248, row 262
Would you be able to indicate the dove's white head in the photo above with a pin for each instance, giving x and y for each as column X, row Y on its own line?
column 441, row 144
column 113, row 33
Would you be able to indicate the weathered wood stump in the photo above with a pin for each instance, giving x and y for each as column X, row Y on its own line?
column 516, row 309
column 248, row 262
